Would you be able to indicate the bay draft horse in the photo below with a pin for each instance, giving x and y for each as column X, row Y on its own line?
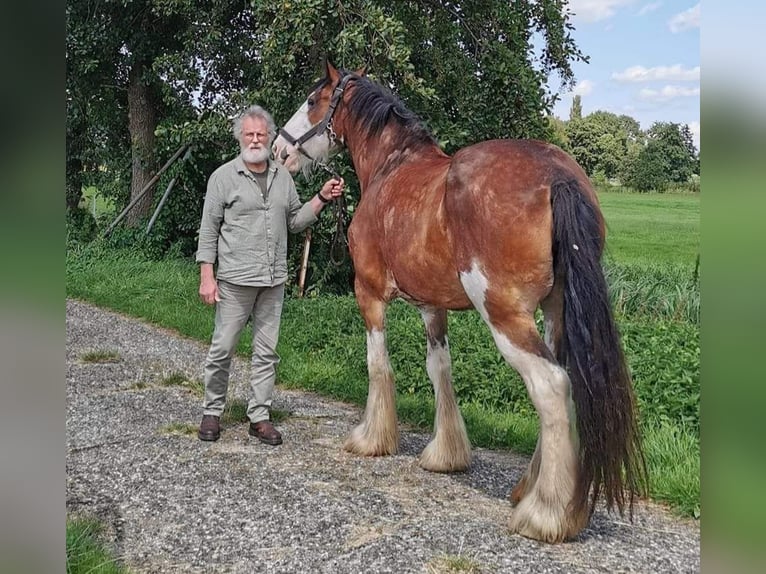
column 502, row 226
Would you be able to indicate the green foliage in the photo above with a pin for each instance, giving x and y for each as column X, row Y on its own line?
column 664, row 358
column 668, row 157
column 583, row 143
column 575, row 112
column 667, row 292
column 81, row 226
column 100, row 356
column 601, row 142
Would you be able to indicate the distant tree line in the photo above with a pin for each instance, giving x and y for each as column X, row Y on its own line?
column 613, row 148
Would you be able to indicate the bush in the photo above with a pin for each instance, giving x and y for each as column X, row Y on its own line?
column 81, row 226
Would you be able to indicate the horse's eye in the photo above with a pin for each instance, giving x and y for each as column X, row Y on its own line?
column 311, row 102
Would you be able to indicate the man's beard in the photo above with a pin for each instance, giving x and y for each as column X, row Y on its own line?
column 255, row 155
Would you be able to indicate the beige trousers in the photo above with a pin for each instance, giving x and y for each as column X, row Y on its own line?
column 238, row 304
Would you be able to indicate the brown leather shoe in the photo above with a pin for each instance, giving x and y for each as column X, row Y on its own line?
column 265, row 432
column 209, row 429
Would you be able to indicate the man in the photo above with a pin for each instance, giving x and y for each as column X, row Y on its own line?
column 250, row 205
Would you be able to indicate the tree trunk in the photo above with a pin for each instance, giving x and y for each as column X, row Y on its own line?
column 142, row 121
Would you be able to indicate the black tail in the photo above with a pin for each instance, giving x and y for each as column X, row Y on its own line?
column 590, row 349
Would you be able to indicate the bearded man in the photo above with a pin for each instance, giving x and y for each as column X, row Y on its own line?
column 250, row 205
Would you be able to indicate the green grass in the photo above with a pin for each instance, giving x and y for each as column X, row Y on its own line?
column 322, row 343
column 652, row 230
column 177, row 379
column 86, row 552
column 453, row 564
column 100, row 356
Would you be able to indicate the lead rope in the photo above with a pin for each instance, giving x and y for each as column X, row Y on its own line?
column 339, row 243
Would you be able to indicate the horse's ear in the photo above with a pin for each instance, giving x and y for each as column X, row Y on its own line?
column 331, row 71
column 361, row 72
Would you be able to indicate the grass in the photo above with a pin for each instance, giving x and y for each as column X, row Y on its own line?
column 86, row 552
column 100, row 356
column 652, row 229
column 322, row 342
column 178, row 379
column 452, row 564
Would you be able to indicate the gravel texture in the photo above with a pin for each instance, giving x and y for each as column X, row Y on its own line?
column 172, row 503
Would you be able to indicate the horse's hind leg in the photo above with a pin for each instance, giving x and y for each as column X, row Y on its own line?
column 552, row 307
column 544, row 511
column 378, row 433
column 450, row 449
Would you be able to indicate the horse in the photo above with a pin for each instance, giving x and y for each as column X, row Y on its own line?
column 504, row 227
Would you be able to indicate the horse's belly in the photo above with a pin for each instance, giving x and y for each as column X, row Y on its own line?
column 428, row 285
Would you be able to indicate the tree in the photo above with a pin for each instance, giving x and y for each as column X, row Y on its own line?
column 575, row 112
column 676, row 145
column 668, row 157
column 132, row 65
column 583, row 139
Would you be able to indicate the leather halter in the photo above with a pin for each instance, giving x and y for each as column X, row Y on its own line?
column 322, row 126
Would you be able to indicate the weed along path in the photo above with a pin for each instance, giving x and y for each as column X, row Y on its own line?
column 171, row 503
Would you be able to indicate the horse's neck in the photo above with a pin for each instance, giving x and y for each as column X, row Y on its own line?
column 375, row 157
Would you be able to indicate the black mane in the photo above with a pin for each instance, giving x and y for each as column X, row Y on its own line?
column 373, row 107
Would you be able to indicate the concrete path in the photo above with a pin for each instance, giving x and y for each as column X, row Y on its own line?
column 172, row 503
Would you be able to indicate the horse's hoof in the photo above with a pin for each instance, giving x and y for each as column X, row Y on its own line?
column 546, row 522
column 434, row 460
column 362, row 443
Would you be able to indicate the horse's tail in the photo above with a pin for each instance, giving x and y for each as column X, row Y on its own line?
column 590, row 349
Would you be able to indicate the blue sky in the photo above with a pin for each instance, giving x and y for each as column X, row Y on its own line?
column 644, row 60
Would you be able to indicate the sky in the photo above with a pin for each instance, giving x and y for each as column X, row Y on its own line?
column 644, row 60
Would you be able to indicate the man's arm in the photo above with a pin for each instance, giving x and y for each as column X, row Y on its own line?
column 207, row 247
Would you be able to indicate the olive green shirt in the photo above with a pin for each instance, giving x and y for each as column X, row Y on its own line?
column 245, row 230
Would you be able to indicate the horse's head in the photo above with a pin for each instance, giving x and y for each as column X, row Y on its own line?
column 310, row 134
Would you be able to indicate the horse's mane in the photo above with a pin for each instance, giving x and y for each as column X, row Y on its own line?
column 374, row 107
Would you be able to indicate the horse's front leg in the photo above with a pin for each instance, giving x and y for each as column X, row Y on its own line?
column 450, row 449
column 378, row 433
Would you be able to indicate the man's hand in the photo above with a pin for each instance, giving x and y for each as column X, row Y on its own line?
column 332, row 189
column 208, row 286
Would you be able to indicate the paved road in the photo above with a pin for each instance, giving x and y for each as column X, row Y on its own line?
column 174, row 504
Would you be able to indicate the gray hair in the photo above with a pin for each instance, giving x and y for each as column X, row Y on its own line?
column 254, row 111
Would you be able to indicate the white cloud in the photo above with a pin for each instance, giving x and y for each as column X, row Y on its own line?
column 685, row 20
column 595, row 10
column 694, row 127
column 668, row 93
column 649, row 8
column 583, row 88
column 675, row 73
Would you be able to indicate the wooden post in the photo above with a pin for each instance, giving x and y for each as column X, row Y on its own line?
column 147, row 187
column 165, row 195
column 304, row 262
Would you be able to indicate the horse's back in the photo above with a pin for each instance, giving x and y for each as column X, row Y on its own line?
column 511, row 170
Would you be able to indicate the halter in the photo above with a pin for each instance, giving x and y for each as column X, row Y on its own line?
column 339, row 237
column 321, row 127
